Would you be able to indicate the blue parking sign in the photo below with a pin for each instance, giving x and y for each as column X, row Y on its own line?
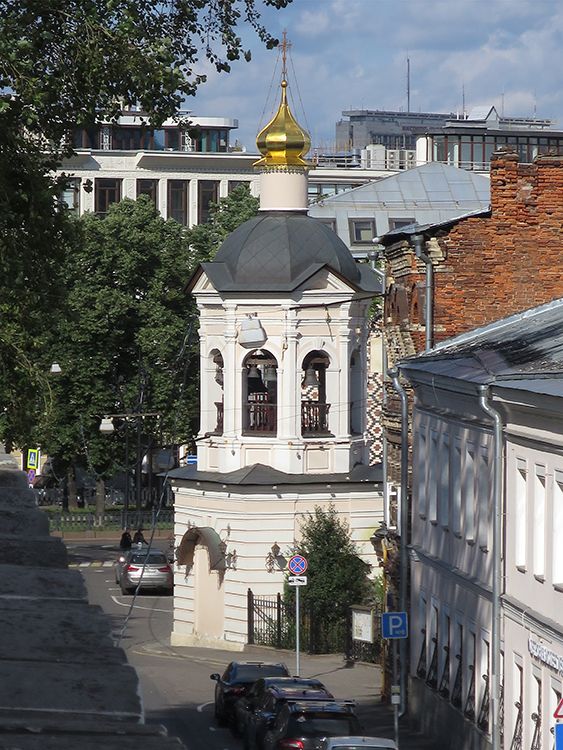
column 559, row 737
column 394, row 625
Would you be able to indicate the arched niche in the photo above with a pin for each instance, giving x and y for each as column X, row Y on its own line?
column 260, row 393
column 315, row 406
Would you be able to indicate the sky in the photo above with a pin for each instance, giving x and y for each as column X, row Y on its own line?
column 352, row 54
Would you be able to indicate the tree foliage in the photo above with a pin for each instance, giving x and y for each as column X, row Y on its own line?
column 336, row 577
column 70, row 62
column 127, row 341
column 65, row 65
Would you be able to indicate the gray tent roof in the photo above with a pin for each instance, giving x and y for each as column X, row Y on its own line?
column 279, row 251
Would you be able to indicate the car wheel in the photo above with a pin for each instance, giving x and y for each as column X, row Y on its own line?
column 220, row 717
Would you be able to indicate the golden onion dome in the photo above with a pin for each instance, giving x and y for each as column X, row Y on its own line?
column 283, row 142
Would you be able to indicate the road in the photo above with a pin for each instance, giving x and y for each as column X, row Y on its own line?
column 176, row 689
column 175, row 684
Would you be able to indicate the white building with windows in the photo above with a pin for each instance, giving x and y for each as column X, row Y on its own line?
column 515, row 366
column 182, row 169
column 283, row 343
column 426, row 194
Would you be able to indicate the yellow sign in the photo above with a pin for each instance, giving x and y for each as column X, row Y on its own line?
column 33, row 458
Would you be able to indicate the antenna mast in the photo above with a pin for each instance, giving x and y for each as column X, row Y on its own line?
column 408, row 85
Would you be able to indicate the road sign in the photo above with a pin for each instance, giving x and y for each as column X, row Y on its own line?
column 558, row 713
column 297, row 565
column 297, row 580
column 32, row 458
column 559, row 737
column 191, row 459
column 31, row 475
column 394, row 625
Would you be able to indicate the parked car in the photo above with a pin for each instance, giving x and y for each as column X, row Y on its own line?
column 236, row 681
column 359, row 743
column 151, row 568
column 306, row 724
column 257, row 711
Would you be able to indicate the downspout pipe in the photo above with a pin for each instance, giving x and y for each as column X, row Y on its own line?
column 403, row 529
column 418, row 246
column 484, row 396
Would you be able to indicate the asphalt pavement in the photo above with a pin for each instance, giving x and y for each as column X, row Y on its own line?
column 357, row 681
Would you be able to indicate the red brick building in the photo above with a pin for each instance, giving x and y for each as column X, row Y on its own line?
column 485, row 266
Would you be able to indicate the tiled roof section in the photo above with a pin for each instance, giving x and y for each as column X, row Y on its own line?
column 278, row 251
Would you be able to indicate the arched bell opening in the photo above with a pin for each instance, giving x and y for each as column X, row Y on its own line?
column 216, row 389
column 314, row 406
column 356, row 394
column 260, row 393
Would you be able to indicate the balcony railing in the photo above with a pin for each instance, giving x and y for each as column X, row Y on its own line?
column 220, row 411
column 260, row 417
column 314, row 418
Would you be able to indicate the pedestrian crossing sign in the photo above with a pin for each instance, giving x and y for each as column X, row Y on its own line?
column 32, row 458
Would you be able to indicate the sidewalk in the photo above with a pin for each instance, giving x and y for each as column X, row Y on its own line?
column 360, row 681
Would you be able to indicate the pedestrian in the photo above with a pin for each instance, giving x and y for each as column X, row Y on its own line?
column 125, row 541
column 139, row 538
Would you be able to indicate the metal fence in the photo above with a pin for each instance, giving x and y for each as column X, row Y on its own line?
column 271, row 622
column 111, row 521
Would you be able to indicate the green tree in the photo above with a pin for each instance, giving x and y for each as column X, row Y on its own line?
column 225, row 217
column 65, row 65
column 336, row 577
column 127, row 342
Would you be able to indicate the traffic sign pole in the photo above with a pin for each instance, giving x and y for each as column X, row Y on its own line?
column 297, row 664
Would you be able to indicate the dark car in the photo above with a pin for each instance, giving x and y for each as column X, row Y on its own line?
column 257, row 711
column 305, row 724
column 236, row 681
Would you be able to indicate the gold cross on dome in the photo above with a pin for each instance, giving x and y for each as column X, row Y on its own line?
column 285, row 46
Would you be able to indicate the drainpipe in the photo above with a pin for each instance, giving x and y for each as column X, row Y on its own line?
column 403, row 529
column 484, row 394
column 418, row 245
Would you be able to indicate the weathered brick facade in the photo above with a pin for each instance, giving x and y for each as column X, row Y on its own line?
column 486, row 267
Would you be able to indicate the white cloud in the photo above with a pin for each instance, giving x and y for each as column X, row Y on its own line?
column 352, row 53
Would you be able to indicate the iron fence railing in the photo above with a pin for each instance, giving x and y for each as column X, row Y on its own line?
column 111, row 521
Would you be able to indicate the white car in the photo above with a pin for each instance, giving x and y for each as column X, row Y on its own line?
column 359, row 743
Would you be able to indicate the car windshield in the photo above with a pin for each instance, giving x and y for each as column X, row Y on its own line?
column 321, row 724
column 155, row 558
column 252, row 672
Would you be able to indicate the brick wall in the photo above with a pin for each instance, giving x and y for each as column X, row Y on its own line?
column 488, row 268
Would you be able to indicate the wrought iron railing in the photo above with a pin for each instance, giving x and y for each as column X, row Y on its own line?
column 444, row 688
column 469, row 709
column 536, row 739
column 314, row 418
column 421, row 666
column 483, row 717
column 516, row 743
column 458, row 680
column 432, row 676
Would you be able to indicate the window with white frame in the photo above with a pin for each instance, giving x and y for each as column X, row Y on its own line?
column 468, row 492
column 444, row 482
column 432, row 484
column 557, row 531
column 456, row 487
column 538, row 551
column 483, row 498
column 420, row 467
column 521, row 514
